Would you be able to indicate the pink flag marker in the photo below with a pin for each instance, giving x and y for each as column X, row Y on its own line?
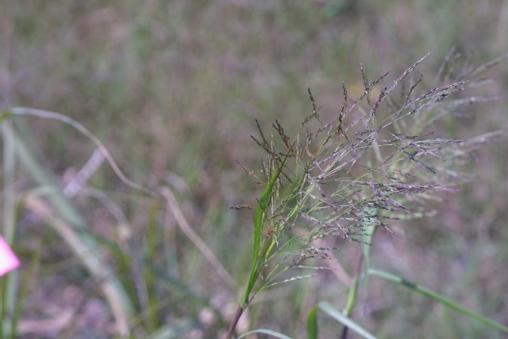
column 8, row 260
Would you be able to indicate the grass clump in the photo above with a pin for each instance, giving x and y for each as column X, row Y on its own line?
column 380, row 159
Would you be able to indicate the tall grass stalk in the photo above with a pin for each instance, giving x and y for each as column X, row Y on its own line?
column 378, row 161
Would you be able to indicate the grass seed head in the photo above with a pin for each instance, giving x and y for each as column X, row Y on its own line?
column 380, row 159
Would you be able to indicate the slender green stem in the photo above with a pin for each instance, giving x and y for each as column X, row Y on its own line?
column 353, row 294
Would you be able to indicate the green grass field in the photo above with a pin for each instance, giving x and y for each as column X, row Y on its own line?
column 172, row 90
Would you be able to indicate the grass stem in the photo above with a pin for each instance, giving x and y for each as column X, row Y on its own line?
column 234, row 322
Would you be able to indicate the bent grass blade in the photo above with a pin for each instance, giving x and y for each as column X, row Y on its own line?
column 337, row 315
column 438, row 297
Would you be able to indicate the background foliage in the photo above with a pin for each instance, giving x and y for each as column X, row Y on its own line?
column 173, row 89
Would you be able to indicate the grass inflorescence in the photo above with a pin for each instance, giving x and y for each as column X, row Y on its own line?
column 380, row 159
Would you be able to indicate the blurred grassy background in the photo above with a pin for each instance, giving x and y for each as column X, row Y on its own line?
column 173, row 88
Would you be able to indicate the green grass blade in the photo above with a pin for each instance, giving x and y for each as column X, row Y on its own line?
column 439, row 298
column 262, row 205
column 337, row 315
column 351, row 297
column 150, row 278
column 312, row 323
column 265, row 331
column 258, row 221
